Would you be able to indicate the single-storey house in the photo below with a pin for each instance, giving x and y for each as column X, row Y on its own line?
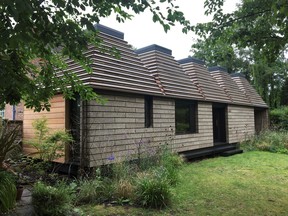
column 152, row 100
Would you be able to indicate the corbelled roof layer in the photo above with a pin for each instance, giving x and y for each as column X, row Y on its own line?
column 248, row 90
column 164, row 67
column 229, row 86
column 121, row 71
column 206, row 84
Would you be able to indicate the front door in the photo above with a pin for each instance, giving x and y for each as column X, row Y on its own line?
column 219, row 124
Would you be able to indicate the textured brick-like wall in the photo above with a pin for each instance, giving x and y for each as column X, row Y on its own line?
column 117, row 128
column 240, row 123
column 18, row 112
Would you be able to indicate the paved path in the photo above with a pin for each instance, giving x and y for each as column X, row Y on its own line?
column 24, row 206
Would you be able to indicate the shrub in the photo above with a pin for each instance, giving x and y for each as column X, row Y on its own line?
column 152, row 190
column 56, row 200
column 91, row 191
column 49, row 146
column 279, row 118
column 272, row 141
column 7, row 191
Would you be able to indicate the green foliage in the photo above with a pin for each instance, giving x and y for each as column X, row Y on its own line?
column 49, row 146
column 279, row 118
column 8, row 143
column 148, row 179
column 258, row 24
column 57, row 200
column 94, row 191
column 284, row 93
column 7, row 191
column 249, row 40
column 124, row 190
column 272, row 141
column 33, row 31
column 171, row 163
column 252, row 183
column 122, row 182
column 152, row 190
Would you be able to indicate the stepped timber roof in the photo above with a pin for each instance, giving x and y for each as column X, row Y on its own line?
column 248, row 90
column 167, row 70
column 230, row 87
column 121, row 71
column 152, row 70
column 200, row 76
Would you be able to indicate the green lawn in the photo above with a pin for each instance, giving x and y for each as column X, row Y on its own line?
column 253, row 183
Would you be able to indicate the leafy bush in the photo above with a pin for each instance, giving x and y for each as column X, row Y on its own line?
column 272, row 141
column 49, row 146
column 7, row 191
column 56, row 200
column 152, row 190
column 279, row 118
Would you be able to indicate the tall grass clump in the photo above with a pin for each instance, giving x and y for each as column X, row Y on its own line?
column 53, row 200
column 152, row 190
column 271, row 141
column 7, row 192
column 94, row 191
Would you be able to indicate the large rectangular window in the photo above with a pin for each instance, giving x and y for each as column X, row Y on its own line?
column 148, row 111
column 186, row 116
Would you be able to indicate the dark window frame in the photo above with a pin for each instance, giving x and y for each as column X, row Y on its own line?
column 148, row 111
column 192, row 107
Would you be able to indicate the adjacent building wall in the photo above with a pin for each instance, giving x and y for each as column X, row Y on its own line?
column 55, row 119
column 241, row 124
column 15, row 113
column 116, row 131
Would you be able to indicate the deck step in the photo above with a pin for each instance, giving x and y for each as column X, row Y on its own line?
column 231, row 152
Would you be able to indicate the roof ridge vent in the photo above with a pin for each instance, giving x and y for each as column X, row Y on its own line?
column 154, row 47
column 109, row 31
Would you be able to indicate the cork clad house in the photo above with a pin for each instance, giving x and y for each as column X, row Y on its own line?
column 152, row 99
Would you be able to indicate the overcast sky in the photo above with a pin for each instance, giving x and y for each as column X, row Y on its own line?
column 141, row 31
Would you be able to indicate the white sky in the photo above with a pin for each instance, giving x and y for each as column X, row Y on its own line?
column 141, row 31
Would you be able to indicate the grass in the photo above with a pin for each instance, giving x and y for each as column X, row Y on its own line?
column 253, row 183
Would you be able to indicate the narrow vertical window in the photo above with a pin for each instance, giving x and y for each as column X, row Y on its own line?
column 148, row 111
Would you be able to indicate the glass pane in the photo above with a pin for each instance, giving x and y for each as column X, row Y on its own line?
column 182, row 115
